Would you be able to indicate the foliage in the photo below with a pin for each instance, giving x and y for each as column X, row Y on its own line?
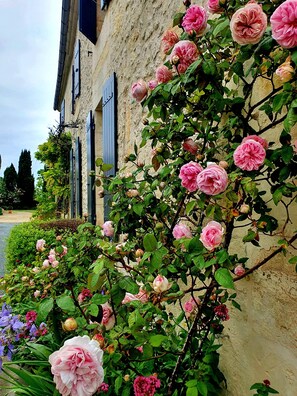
column 10, row 194
column 153, row 285
column 25, row 180
column 62, row 225
column 53, row 190
column 21, row 243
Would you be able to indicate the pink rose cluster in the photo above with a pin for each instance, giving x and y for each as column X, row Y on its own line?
column 195, row 20
column 181, row 230
column 250, row 154
column 77, row 367
column 284, row 24
column 184, row 53
column 108, row 228
column 248, row 24
column 212, row 180
column 212, row 235
column 146, row 386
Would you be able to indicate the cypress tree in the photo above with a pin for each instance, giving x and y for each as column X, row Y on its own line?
column 10, row 178
column 26, row 180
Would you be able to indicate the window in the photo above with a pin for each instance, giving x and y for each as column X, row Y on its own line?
column 87, row 11
column 62, row 113
column 90, row 129
column 75, row 75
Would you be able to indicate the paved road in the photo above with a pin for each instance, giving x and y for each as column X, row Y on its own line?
column 4, row 233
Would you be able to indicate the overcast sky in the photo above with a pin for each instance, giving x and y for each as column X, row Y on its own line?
column 29, row 49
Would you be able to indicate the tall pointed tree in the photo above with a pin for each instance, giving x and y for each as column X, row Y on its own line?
column 10, row 178
column 26, row 180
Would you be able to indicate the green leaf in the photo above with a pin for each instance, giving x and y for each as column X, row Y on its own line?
column 126, row 283
column 220, row 26
column 251, row 235
column 150, row 242
column 294, row 57
column 209, row 68
column 66, row 303
column 99, row 162
column 93, row 310
column 191, row 383
column 293, row 260
column 287, row 153
column 118, row 383
column 99, row 299
column 224, row 278
column 138, row 209
column 190, row 206
column 195, row 245
column 192, row 391
column 202, row 388
column 106, row 167
column 156, row 340
column 277, row 196
column 44, row 308
column 232, row 196
column 177, row 19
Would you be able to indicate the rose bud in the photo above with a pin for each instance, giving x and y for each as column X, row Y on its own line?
column 70, row 324
column 139, row 253
column 139, row 90
column 161, row 284
column 100, row 339
column 223, row 164
column 244, row 208
column 239, row 270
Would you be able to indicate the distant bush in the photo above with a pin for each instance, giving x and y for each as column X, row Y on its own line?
column 61, row 225
column 21, row 244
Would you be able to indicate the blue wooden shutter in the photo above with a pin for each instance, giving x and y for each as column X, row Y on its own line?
column 109, row 121
column 72, row 181
column 77, row 70
column 78, row 184
column 62, row 113
column 88, row 18
column 72, row 91
column 91, row 167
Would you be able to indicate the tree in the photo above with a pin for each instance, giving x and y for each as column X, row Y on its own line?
column 53, row 184
column 25, row 180
column 10, row 178
column 11, row 193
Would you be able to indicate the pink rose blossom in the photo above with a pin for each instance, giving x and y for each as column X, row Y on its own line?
column 191, row 305
column 139, row 90
column 163, row 74
column 161, row 284
column 258, row 139
column 169, row 39
column 190, row 146
column 239, row 270
column 55, row 264
column 212, row 235
column 146, row 386
column 108, row 229
column 65, row 250
column 52, row 255
column 152, row 84
column 84, row 295
column 284, row 24
column 248, row 24
column 140, row 296
column 108, row 319
column 214, row 6
column 249, row 156
column 40, row 245
column 128, row 298
column 36, row 293
column 188, row 175
column 221, row 312
column 180, row 230
column 77, row 367
column 45, row 264
column 285, row 71
column 140, row 349
column 103, row 388
column 184, row 53
column 212, row 180
column 195, row 20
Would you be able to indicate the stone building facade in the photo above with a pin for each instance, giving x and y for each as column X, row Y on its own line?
column 104, row 48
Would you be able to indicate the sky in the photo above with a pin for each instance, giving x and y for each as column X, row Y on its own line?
column 29, row 50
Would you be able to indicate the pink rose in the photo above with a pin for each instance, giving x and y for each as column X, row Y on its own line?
column 142, row 296
column 139, row 90
column 40, row 245
column 146, row 386
column 163, row 74
column 191, row 305
column 161, row 284
column 190, row 146
column 169, row 39
column 248, row 24
column 77, row 367
column 65, row 250
column 285, row 71
column 239, row 270
column 214, row 6
column 128, row 298
column 108, row 319
column 84, row 295
column 45, row 264
column 258, row 139
column 212, row 235
column 283, row 24
column 188, row 175
column 249, row 156
column 108, row 229
column 195, row 20
column 152, row 84
column 212, row 180
column 55, row 264
column 36, row 293
column 180, row 230
column 52, row 255
column 184, row 53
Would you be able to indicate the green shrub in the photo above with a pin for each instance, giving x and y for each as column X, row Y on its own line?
column 21, row 244
column 61, row 225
